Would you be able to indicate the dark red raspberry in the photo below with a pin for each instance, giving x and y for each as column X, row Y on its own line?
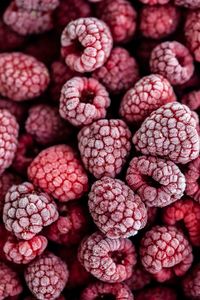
column 192, row 33
column 148, row 94
column 154, row 2
column 139, row 279
column 170, row 131
column 16, row 109
column 4, row 234
column 110, row 260
column 173, row 61
column 86, row 44
column 11, row 40
column 157, row 293
column 27, row 211
column 41, row 5
column 192, row 100
column 191, row 283
column 192, row 176
column 188, row 3
column 157, row 181
column 115, row 209
column 58, row 171
column 10, row 283
column 104, row 146
column 46, row 276
column 152, row 213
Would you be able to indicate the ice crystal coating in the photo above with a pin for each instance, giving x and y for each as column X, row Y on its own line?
column 192, row 176
column 10, row 283
column 41, row 5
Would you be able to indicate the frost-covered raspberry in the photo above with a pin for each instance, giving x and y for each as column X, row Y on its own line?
column 16, row 109
column 41, row 5
column 119, row 72
column 11, row 40
column 157, row 293
column 139, row 278
column 192, row 176
column 22, row 77
column 154, row 2
column 10, row 283
column 104, row 146
column 86, row 44
column 170, row 131
column 148, row 94
column 115, row 209
column 106, row 259
column 58, row 171
column 192, row 33
column 190, row 283
column 46, row 276
column 26, row 211
column 192, row 100
column 193, row 4
column 173, row 61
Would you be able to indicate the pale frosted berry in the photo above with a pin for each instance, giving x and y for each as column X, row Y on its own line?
column 157, row 293
column 190, row 283
column 34, row 298
column 22, row 77
column 193, row 4
column 16, row 109
column 11, row 40
column 170, row 131
column 46, row 276
column 148, row 94
column 41, row 5
column 10, row 283
column 192, row 100
column 104, row 146
column 58, row 171
column 154, row 2
column 192, row 176
column 139, row 278
column 86, row 44
column 173, row 61
column 26, row 211
column 192, row 33
column 106, row 259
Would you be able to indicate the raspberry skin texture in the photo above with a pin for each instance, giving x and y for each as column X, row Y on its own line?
column 83, row 100
column 58, row 171
column 192, row 175
column 108, row 260
column 115, row 209
column 148, row 94
column 190, row 283
column 27, row 211
column 191, row 4
column 86, row 44
column 157, row 293
column 173, row 61
column 192, row 100
column 46, row 276
column 154, row 2
column 16, row 109
column 139, row 279
column 40, row 5
column 22, row 77
column 192, row 33
column 104, row 146
column 11, row 40
column 169, row 132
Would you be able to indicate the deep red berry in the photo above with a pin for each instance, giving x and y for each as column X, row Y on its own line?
column 4, row 234
column 188, row 3
column 41, row 5
column 10, row 283
column 154, row 2
column 157, row 293
column 11, row 40
column 16, row 109
column 192, row 33
column 192, row 100
column 190, row 283
column 139, row 278
column 152, row 213
column 192, row 176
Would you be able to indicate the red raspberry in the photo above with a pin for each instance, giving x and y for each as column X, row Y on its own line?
column 193, row 4
column 33, row 298
column 148, row 94
column 41, row 5
column 106, row 259
column 86, row 44
column 16, row 109
column 11, row 40
column 157, row 293
column 192, row 176
column 27, row 211
column 104, row 146
column 192, row 33
column 46, row 276
column 191, row 283
column 10, row 283
column 152, row 213
column 154, row 2
column 83, row 100
column 4, row 234
column 22, row 77
column 170, row 131
column 58, row 171
column 157, row 181
column 192, row 100
column 115, row 209
column 139, row 279
column 119, row 72
column 173, row 61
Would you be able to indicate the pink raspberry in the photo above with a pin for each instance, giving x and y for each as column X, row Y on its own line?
column 119, row 72
column 10, row 283
column 173, row 61
column 192, row 33
column 148, row 94
column 139, row 279
column 58, row 171
column 86, row 44
column 115, row 209
column 46, row 276
column 11, row 40
column 108, row 260
column 154, row 2
column 16, row 109
column 27, row 211
column 191, row 283
column 157, row 293
column 192, row 176
column 22, row 77
column 192, row 100
column 40, row 5
column 193, row 4
column 170, row 131
column 83, row 100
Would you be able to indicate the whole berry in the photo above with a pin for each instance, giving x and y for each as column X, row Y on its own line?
column 157, row 293
column 40, row 5
column 192, row 100
column 192, row 33
column 11, row 40
column 191, row 283
column 10, row 282
column 192, row 176
column 139, row 278
column 192, row 4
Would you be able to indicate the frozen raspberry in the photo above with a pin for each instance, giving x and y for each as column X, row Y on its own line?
column 83, row 100
column 46, row 276
column 4, row 234
column 157, row 293
column 27, row 211
column 191, row 285
column 106, row 259
column 152, row 213
column 173, row 61
column 192, row 176
column 22, row 77
column 139, row 279
column 193, row 4
column 148, row 94
column 86, row 44
column 58, row 171
column 16, row 109
column 11, row 40
column 41, row 5
column 119, row 72
column 192, row 33
column 154, row 2
column 170, row 131
column 192, row 100
column 10, row 283
column 33, row 298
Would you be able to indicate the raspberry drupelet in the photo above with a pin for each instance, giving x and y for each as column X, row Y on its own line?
column 192, row 33
column 170, row 132
column 139, row 278
column 104, row 146
column 41, row 5
column 192, row 100
column 154, row 2
column 86, row 44
column 191, row 4
column 192, row 176
column 109, row 260
column 11, row 40
column 10, row 282
column 190, row 283
column 156, row 293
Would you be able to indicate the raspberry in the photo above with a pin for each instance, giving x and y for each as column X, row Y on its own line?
column 41, row 5
column 157, row 181
column 10, row 283
column 27, row 211
column 170, row 131
column 106, row 259
column 16, row 109
column 104, row 146
column 11, row 40
column 86, row 44
column 173, row 61
column 192, row 176
column 192, row 100
column 22, row 77
column 152, row 213
column 139, row 279
column 192, row 33
column 4, row 234
column 83, row 100
column 115, row 209
column 119, row 72
column 188, row 3
column 191, row 283
column 46, row 276
column 154, row 2
column 157, row 293
column 58, row 171
column 148, row 94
